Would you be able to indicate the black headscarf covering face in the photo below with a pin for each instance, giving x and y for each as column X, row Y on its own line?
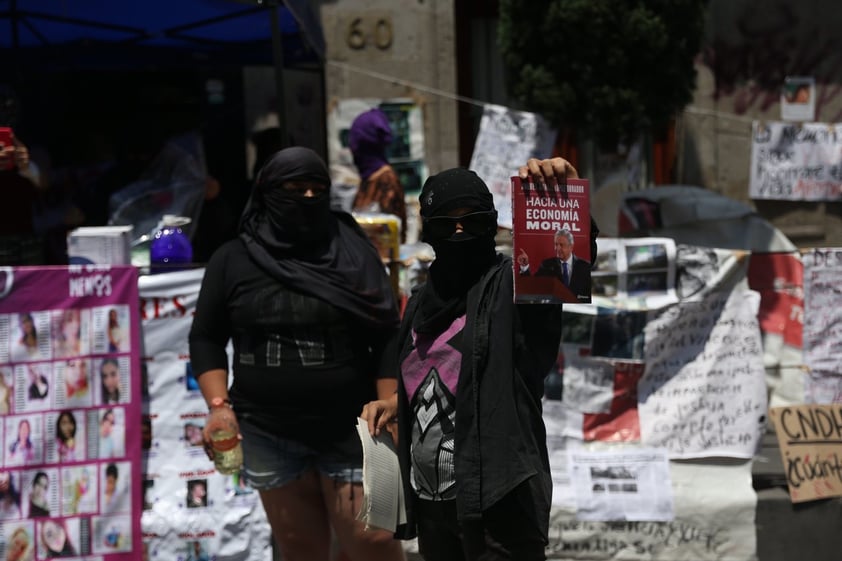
column 302, row 243
column 461, row 259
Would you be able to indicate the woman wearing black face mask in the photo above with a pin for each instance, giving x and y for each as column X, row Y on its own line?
column 472, row 364
column 304, row 298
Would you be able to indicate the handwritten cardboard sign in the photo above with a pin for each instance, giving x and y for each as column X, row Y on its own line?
column 810, row 439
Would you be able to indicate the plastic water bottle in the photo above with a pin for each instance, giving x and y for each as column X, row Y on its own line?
column 170, row 245
column 227, row 449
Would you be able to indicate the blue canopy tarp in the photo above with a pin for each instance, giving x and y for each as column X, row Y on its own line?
column 46, row 36
column 210, row 24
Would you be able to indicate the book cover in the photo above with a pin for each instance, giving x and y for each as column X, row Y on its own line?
column 551, row 242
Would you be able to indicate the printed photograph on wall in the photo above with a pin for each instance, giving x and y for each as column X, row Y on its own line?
column 112, row 534
column 10, row 495
column 19, row 538
column 24, row 443
column 798, row 99
column 79, row 490
column 36, row 387
column 73, row 378
column 70, row 334
column 66, row 436
column 30, row 337
column 41, row 492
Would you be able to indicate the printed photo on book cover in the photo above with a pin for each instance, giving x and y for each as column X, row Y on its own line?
column 551, row 242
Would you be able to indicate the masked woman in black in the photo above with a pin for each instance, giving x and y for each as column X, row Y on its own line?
column 472, row 442
column 305, row 300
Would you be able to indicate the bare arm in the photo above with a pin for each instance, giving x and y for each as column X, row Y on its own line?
column 386, row 387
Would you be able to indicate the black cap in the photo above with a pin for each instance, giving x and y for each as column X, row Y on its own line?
column 452, row 189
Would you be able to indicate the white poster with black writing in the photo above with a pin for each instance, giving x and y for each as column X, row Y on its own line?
column 823, row 325
column 796, row 161
column 191, row 513
column 506, row 139
column 703, row 391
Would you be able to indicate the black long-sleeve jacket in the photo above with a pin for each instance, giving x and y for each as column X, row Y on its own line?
column 500, row 439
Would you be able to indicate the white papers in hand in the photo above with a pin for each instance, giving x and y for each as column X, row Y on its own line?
column 383, row 501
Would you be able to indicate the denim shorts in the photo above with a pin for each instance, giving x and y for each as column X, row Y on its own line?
column 271, row 461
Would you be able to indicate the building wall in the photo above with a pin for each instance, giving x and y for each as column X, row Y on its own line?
column 417, row 59
column 751, row 46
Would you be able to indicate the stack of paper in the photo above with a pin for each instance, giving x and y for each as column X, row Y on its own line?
column 100, row 245
column 383, row 501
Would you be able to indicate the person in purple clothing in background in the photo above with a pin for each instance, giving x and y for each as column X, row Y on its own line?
column 380, row 188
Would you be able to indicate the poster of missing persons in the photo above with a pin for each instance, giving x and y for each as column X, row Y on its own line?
column 70, row 405
column 190, row 512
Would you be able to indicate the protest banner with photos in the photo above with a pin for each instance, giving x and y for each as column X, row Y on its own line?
column 190, row 512
column 70, row 396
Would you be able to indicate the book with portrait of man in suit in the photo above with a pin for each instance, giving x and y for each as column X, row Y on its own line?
column 551, row 236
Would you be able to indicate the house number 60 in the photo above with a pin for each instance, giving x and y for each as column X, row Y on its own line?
column 380, row 34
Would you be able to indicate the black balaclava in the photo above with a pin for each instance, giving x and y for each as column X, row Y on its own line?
column 462, row 258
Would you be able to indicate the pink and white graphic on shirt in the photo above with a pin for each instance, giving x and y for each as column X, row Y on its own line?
column 433, row 351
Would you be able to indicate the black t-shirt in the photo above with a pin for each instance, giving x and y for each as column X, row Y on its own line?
column 303, row 368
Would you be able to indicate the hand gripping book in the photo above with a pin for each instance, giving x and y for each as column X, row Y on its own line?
column 551, row 242
column 383, row 501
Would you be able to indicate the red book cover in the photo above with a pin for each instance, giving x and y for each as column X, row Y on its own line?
column 551, row 242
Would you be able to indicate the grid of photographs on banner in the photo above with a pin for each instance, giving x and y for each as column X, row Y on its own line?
column 65, row 476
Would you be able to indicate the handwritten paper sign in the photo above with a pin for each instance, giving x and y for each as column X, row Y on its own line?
column 796, row 161
column 703, row 392
column 822, row 313
column 810, row 439
column 506, row 139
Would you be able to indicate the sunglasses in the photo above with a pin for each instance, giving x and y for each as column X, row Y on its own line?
column 482, row 223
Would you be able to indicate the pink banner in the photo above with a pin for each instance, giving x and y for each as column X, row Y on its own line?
column 70, row 400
